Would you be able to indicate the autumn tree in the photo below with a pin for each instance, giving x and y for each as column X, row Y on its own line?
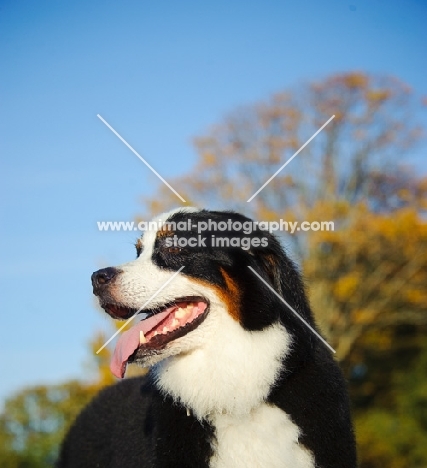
column 34, row 422
column 368, row 273
column 373, row 128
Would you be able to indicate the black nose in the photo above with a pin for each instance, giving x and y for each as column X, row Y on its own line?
column 103, row 277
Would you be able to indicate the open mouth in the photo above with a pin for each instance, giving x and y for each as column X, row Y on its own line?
column 160, row 327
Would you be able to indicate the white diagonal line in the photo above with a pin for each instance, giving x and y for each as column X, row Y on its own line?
column 293, row 310
column 289, row 160
column 139, row 310
column 141, row 158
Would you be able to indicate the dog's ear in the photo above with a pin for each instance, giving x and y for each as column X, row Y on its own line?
column 274, row 262
column 271, row 265
column 284, row 276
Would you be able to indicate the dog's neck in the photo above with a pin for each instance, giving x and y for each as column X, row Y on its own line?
column 231, row 372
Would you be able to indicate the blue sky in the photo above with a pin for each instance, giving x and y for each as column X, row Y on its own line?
column 160, row 73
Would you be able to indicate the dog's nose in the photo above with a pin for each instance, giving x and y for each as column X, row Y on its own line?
column 103, row 277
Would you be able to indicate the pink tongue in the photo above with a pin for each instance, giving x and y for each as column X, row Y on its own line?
column 129, row 342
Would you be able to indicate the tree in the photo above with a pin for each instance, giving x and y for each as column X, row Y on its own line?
column 393, row 434
column 370, row 273
column 35, row 421
column 373, row 128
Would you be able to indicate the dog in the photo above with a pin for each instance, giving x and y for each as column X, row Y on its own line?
column 236, row 379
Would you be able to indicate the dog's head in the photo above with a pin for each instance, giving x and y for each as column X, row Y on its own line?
column 196, row 287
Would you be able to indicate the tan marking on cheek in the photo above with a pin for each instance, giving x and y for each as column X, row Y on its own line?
column 230, row 296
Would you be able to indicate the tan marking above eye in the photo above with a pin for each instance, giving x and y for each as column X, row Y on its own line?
column 173, row 249
column 165, row 232
column 139, row 245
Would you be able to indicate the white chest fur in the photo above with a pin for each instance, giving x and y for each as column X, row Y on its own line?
column 264, row 438
column 225, row 378
column 230, row 370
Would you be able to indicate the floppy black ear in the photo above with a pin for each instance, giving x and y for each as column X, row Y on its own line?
column 285, row 277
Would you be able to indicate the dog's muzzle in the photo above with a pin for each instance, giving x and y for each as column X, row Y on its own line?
column 101, row 279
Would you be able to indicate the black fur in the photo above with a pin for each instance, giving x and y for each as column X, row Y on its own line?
column 131, row 425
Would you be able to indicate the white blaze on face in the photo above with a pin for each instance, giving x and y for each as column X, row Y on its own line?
column 141, row 278
column 151, row 235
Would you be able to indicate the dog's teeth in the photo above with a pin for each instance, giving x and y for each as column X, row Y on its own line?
column 180, row 313
column 165, row 330
column 142, row 338
column 155, row 333
column 175, row 322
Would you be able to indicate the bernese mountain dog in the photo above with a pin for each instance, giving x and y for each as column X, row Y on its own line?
column 236, row 379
